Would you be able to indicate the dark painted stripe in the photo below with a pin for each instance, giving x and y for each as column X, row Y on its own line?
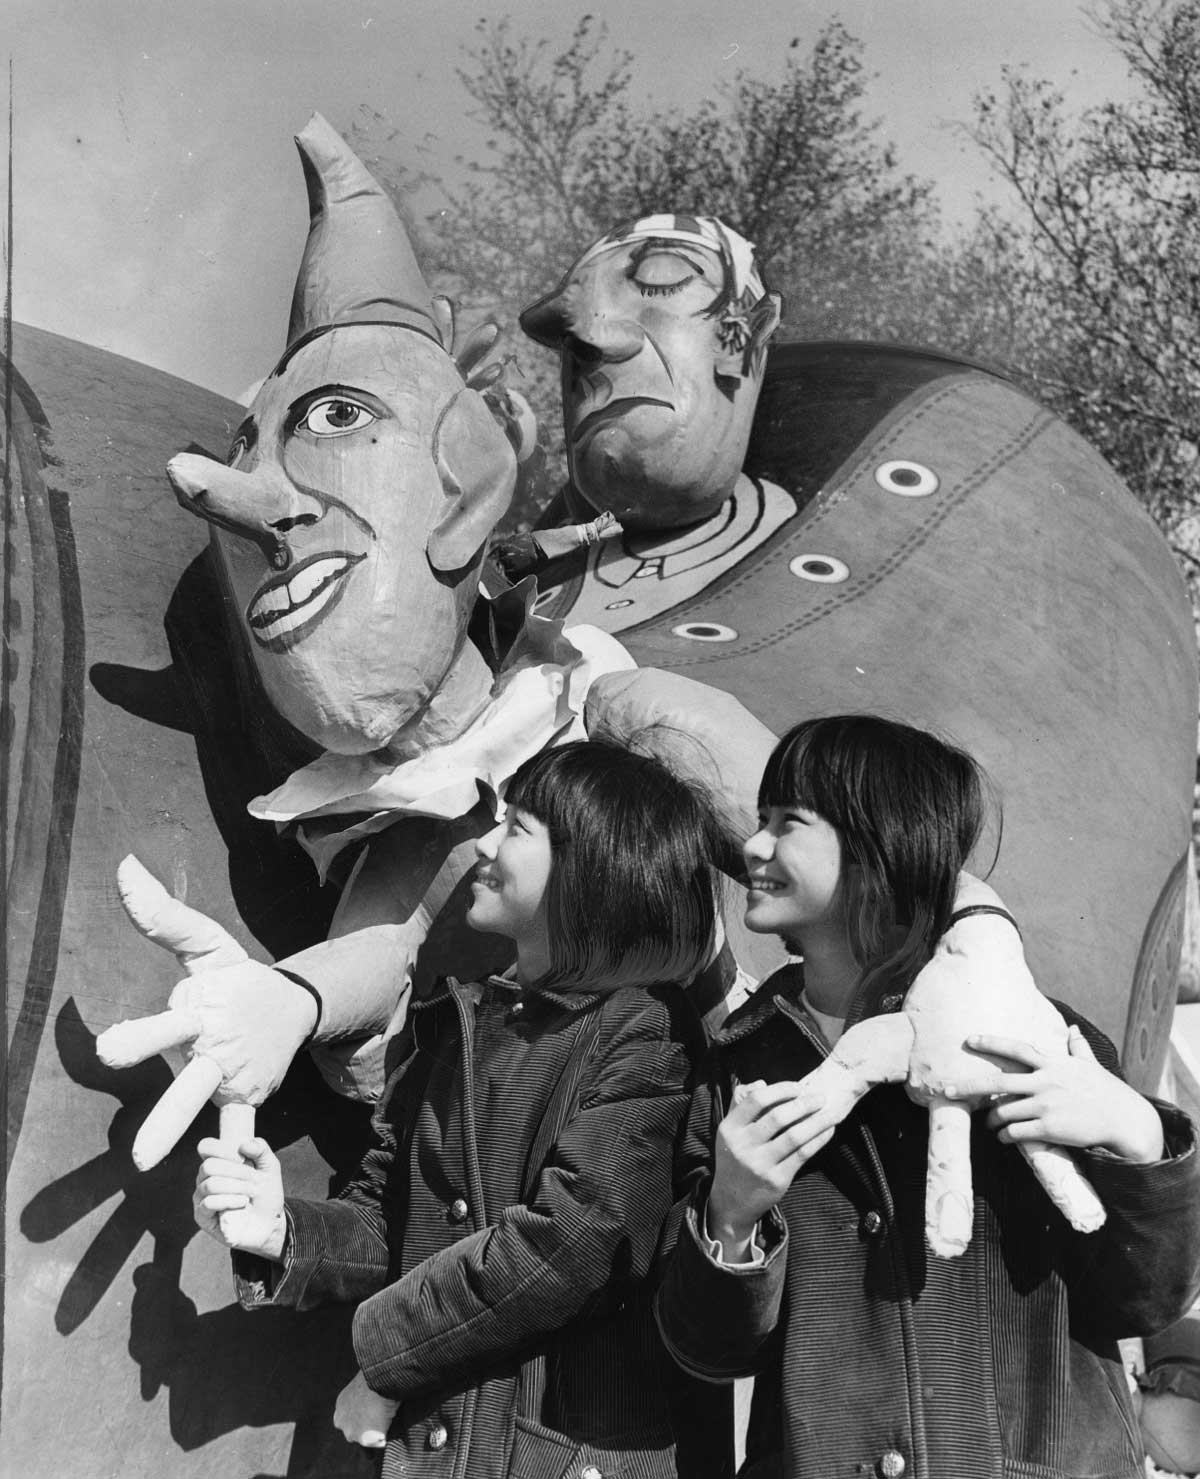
column 42, row 845
column 7, row 729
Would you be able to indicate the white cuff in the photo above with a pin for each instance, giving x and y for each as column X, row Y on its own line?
column 755, row 1256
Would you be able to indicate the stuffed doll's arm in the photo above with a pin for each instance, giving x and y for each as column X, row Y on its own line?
column 699, row 731
column 242, row 1021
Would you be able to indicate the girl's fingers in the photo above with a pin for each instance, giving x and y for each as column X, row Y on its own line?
column 216, row 1165
column 1022, row 1131
column 1016, row 1049
column 224, row 1202
column 258, row 1153
column 809, row 1148
column 225, row 1186
column 1014, row 1110
column 1078, row 1045
column 752, row 1101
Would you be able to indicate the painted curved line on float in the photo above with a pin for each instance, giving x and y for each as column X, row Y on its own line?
column 40, row 856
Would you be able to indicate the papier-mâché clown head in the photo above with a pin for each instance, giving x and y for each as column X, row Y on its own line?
column 360, row 491
column 662, row 327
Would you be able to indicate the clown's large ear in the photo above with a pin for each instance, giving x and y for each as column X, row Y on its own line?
column 744, row 337
column 478, row 470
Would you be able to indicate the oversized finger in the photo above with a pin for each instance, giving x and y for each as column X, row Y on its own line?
column 476, row 346
column 126, row 1043
column 175, row 1111
column 237, row 1126
column 197, row 942
column 1066, row 1185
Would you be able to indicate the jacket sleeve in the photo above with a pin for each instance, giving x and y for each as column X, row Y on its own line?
column 715, row 1318
column 591, row 1227
column 1141, row 1271
column 334, row 1251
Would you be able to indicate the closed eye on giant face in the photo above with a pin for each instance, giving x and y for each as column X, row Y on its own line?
column 659, row 271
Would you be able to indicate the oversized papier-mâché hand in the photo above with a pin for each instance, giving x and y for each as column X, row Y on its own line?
column 976, row 984
column 226, row 1003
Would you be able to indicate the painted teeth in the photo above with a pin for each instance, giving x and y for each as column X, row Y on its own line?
column 285, row 606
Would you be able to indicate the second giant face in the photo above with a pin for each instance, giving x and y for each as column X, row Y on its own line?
column 657, row 403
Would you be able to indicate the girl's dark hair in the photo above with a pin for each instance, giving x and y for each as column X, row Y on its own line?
column 908, row 809
column 632, row 896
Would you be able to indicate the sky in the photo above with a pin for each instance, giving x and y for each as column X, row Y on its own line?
column 159, row 205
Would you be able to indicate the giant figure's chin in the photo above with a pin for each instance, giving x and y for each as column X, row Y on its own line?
column 646, row 492
column 346, row 724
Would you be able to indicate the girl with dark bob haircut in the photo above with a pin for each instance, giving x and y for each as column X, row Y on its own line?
column 502, row 1238
column 908, row 809
column 803, row 1260
column 637, row 843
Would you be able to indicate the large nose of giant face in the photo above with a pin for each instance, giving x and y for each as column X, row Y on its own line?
column 584, row 323
column 261, row 505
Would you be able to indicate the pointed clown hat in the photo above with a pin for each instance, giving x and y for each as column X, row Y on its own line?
column 358, row 265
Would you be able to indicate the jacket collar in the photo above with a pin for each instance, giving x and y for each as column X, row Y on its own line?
column 780, row 995
column 506, row 984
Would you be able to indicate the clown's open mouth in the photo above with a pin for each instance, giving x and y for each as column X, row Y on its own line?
column 285, row 608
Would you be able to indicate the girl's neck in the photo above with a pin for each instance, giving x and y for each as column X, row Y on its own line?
column 831, row 973
column 533, row 960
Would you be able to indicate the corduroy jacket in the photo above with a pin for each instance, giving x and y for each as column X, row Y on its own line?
column 873, row 1356
column 502, row 1232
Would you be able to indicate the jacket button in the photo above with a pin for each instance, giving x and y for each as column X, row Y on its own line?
column 458, row 1209
column 591, row 1472
column 438, row 1437
column 872, row 1226
column 891, row 1464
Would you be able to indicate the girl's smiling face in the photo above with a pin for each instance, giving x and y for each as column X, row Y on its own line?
column 508, row 894
column 794, row 862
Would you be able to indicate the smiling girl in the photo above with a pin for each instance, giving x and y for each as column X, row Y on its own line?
column 501, row 1236
column 805, row 1264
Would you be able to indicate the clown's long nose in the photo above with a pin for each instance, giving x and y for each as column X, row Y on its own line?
column 260, row 505
column 568, row 321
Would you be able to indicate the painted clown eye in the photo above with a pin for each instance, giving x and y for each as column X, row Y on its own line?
column 659, row 274
column 335, row 416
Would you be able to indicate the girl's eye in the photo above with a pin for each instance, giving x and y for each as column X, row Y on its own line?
column 335, row 416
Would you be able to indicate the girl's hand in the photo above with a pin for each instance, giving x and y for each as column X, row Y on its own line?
column 363, row 1416
column 770, row 1132
column 1071, row 1101
column 239, row 1202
